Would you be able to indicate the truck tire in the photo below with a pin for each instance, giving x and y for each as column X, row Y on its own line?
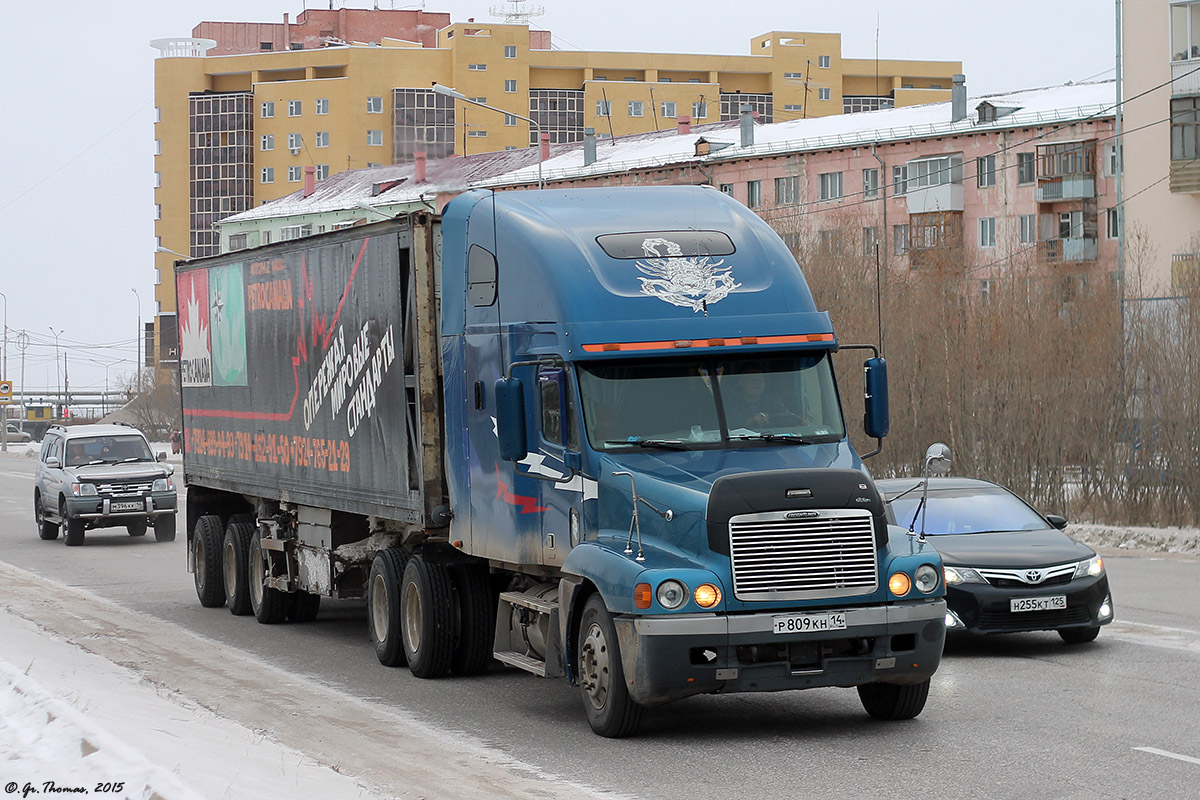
column 269, row 604
column 427, row 617
column 206, row 555
column 164, row 528
column 893, row 701
column 1079, row 635
column 606, row 702
column 235, row 566
column 46, row 529
column 137, row 527
column 476, row 619
column 383, row 606
column 74, row 533
column 303, row 606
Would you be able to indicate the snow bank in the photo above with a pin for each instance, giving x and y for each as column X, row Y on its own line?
column 1132, row 537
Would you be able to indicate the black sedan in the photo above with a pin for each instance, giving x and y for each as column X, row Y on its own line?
column 1008, row 568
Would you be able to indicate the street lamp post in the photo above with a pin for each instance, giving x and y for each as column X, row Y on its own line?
column 56, row 375
column 138, row 364
column 4, row 360
column 457, row 95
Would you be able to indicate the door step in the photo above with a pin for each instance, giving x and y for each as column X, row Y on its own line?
column 522, row 661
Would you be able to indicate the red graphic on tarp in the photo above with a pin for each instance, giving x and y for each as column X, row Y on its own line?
column 528, row 505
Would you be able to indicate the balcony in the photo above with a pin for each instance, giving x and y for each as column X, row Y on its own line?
column 1186, row 80
column 1068, row 187
column 1069, row 251
column 1185, row 176
column 932, row 199
column 1185, row 270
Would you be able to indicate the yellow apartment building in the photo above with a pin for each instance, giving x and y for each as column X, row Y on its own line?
column 243, row 108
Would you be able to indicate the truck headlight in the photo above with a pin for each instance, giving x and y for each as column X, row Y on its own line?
column 1091, row 568
column 707, row 595
column 926, row 578
column 957, row 575
column 83, row 489
column 899, row 584
column 671, row 594
column 163, row 485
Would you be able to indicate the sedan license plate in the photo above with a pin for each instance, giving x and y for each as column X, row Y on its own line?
column 810, row 623
column 1058, row 601
column 135, row 505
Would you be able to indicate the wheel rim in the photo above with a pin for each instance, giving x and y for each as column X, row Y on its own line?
column 37, row 512
column 256, row 576
column 380, row 613
column 594, row 666
column 412, row 616
column 198, row 559
column 230, row 569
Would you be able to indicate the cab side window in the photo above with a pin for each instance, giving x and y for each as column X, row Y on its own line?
column 554, row 401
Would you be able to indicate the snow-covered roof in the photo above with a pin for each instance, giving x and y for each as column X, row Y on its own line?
column 347, row 190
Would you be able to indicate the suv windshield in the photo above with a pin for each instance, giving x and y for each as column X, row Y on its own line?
column 106, row 450
column 710, row 402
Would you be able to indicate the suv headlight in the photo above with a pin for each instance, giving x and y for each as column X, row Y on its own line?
column 163, row 485
column 957, row 575
column 1091, row 568
column 83, row 489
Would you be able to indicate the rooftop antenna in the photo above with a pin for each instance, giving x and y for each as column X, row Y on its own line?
column 516, row 12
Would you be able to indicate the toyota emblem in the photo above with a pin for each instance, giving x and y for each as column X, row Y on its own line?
column 1033, row 576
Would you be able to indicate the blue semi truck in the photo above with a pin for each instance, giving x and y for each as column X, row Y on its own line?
column 591, row 434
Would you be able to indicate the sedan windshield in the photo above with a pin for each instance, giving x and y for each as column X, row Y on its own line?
column 974, row 510
column 106, row 449
column 710, row 402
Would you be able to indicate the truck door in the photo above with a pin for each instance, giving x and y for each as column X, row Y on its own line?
column 557, row 435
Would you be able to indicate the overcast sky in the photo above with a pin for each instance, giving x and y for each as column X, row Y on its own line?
column 76, row 227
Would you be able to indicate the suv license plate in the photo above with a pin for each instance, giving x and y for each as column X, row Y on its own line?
column 1058, row 601
column 809, row 623
column 130, row 506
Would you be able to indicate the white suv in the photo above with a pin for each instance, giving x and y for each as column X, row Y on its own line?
column 102, row 476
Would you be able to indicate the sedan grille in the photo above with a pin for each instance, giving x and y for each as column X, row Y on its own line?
column 1001, row 619
column 828, row 554
column 110, row 489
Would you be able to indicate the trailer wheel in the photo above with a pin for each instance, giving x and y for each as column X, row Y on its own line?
column 606, row 702
column 476, row 619
column 136, row 528
column 303, row 606
column 235, row 566
column 269, row 604
column 206, row 555
column 46, row 528
column 427, row 617
column 893, row 701
column 383, row 606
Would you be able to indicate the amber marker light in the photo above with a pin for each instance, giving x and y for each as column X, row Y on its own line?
column 899, row 584
column 707, row 595
column 642, row 595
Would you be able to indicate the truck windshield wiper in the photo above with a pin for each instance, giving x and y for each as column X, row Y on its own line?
column 637, row 441
column 790, row 438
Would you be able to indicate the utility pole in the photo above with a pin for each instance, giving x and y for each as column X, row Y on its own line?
column 138, row 365
column 22, row 343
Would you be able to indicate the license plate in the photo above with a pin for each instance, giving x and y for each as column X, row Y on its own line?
column 1058, row 601
column 809, row 623
column 136, row 505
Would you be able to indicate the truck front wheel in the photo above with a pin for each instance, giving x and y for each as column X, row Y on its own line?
column 606, row 702
column 269, row 604
column 427, row 617
column 893, row 700
column 476, row 619
column 206, row 556
column 383, row 606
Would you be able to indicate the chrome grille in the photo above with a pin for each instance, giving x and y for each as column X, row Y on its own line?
column 109, row 489
column 830, row 554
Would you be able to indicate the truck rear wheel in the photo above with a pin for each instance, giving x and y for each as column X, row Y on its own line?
column 235, row 567
column 476, row 619
column 893, row 700
column 206, row 556
column 303, row 606
column 427, row 617
column 606, row 702
column 269, row 604
column 383, row 606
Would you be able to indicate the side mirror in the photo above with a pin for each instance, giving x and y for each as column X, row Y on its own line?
column 938, row 460
column 876, row 418
column 1057, row 521
column 162, row 456
column 53, row 462
column 510, row 419
column 573, row 460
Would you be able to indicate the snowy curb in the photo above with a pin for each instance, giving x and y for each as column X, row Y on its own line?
column 1128, row 537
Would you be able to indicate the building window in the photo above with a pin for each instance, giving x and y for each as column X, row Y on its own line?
column 157, row 114
column 786, row 190
column 798, row 108
column 510, row 121
column 322, row 171
column 1070, row 225
column 987, row 232
column 323, row 106
column 830, row 242
column 859, row 103
column 1026, row 170
column 985, row 292
column 900, row 179
column 477, row 134
column 831, row 185
column 477, row 67
column 295, row 174
column 754, row 194
column 374, row 105
column 237, row 241
column 266, row 142
column 268, row 175
column 793, row 76
column 266, row 46
column 294, row 232
column 322, row 139
column 668, row 110
column 1112, row 223
column 824, row 94
column 1185, row 127
column 559, row 113
column 510, row 87
column 700, row 110
column 375, row 138
column 603, row 108
column 823, row 62
column 158, row 211
column 510, row 51
column 871, row 182
column 732, row 102
column 899, row 239
column 635, row 108
column 422, row 121
column 870, row 240
column 295, row 141
column 985, row 171
column 727, row 188
column 295, row 107
column 158, row 147
column 1027, row 229
column 157, row 179
column 266, row 236
column 1112, row 160
column 939, row 171
column 267, row 110
column 1185, row 31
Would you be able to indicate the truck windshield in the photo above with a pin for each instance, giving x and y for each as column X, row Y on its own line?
column 710, row 402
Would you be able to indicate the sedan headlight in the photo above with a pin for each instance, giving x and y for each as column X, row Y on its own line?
column 671, row 594
column 957, row 575
column 163, row 485
column 1091, row 568
column 83, row 489
column 925, row 578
